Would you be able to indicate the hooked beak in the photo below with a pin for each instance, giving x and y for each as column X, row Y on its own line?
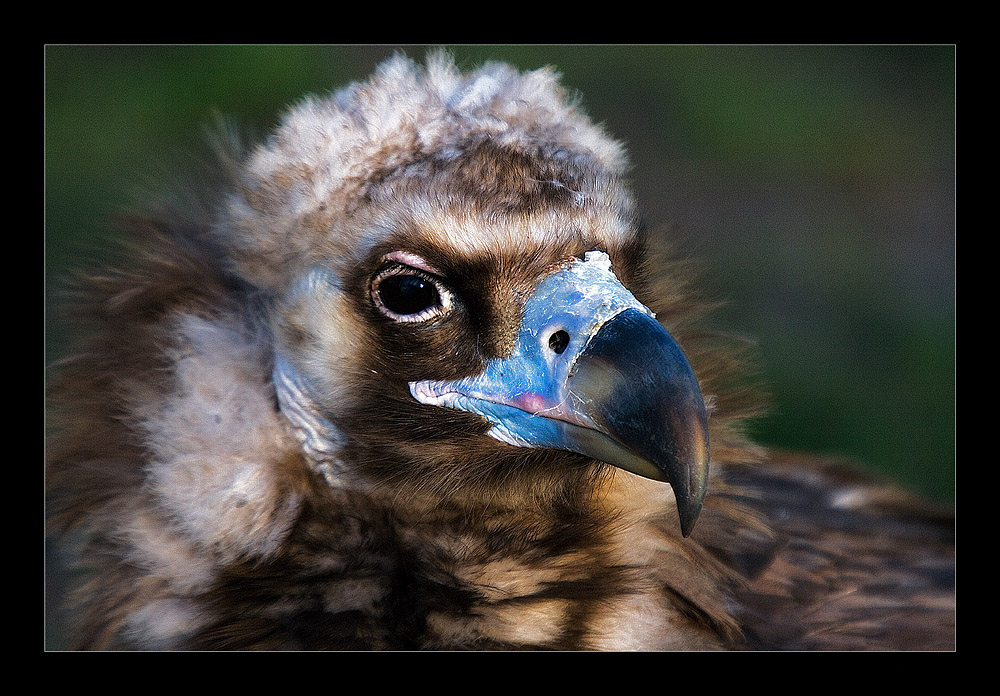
column 593, row 372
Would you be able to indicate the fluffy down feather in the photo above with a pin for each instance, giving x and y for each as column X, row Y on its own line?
column 243, row 465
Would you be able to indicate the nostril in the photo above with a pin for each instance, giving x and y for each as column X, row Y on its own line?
column 558, row 341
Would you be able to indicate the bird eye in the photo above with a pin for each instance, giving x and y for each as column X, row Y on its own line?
column 407, row 295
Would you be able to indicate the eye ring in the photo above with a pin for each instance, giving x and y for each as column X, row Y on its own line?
column 408, row 295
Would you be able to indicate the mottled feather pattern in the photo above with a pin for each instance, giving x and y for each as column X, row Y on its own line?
column 856, row 562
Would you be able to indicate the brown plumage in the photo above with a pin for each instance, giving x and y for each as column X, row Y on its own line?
column 254, row 449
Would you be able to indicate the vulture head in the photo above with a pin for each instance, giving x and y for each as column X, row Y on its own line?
column 457, row 276
column 409, row 375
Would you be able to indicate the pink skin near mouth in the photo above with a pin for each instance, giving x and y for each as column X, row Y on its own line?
column 530, row 402
column 536, row 404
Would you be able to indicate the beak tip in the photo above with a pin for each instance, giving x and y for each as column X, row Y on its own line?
column 690, row 496
column 688, row 514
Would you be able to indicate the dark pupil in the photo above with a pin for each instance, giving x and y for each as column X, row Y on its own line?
column 407, row 294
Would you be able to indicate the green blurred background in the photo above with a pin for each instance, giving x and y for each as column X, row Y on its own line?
column 815, row 183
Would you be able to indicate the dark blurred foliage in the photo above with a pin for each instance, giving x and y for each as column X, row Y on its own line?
column 816, row 185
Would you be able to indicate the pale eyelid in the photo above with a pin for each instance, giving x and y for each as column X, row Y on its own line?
column 412, row 260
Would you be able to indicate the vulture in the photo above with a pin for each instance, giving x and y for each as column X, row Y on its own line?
column 412, row 374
